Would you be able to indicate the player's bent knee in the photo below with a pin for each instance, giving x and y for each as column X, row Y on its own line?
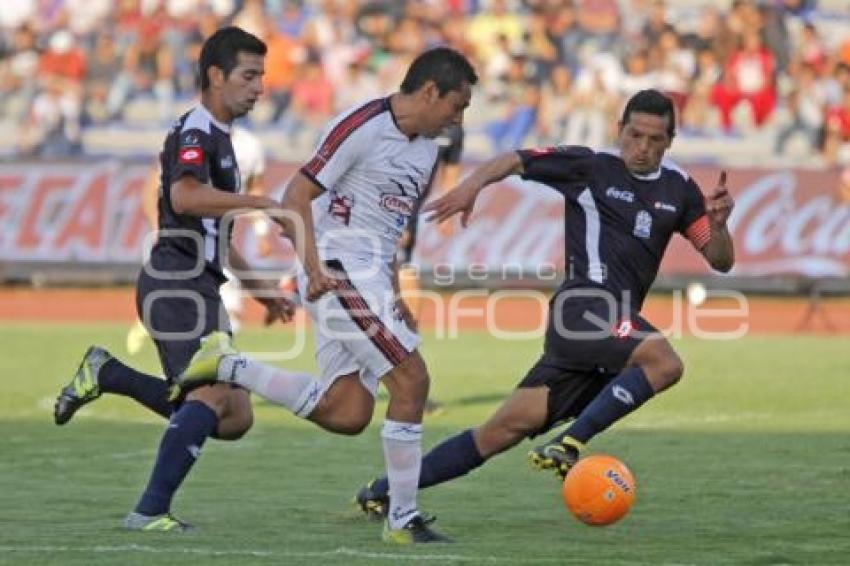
column 349, row 424
column 672, row 369
column 216, row 397
column 234, row 428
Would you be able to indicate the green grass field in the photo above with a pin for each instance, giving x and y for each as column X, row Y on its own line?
column 747, row 461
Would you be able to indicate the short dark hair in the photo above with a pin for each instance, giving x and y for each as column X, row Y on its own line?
column 447, row 68
column 651, row 101
column 222, row 48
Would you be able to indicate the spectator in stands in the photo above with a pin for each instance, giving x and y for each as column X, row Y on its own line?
column 103, row 66
column 312, row 102
column 252, row 17
column 360, row 84
column 568, row 35
column 52, row 127
column 556, row 107
column 510, row 130
column 600, row 20
column 837, row 141
column 698, row 112
column 677, row 65
column 805, row 102
column 494, row 20
column 19, row 73
column 283, row 58
column 540, row 46
column 748, row 77
column 638, row 74
column 657, row 24
column 148, row 69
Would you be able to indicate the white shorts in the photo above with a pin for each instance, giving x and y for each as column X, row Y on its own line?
column 358, row 328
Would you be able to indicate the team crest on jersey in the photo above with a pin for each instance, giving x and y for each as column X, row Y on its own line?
column 643, row 225
column 191, row 155
column 340, row 208
column 190, row 139
column 398, row 204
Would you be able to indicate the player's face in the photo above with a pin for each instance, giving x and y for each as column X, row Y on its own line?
column 444, row 111
column 244, row 85
column 643, row 141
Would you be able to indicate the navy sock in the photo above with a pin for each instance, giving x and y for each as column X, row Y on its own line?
column 452, row 458
column 626, row 392
column 150, row 391
column 180, row 447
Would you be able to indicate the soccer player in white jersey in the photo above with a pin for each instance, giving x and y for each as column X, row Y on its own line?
column 354, row 198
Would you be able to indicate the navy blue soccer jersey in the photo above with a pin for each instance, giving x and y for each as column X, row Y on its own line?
column 198, row 145
column 618, row 224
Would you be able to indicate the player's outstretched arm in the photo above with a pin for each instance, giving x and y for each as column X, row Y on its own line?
column 462, row 198
column 297, row 223
column 191, row 197
column 719, row 251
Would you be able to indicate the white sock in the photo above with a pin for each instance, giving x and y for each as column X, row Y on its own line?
column 298, row 392
column 403, row 457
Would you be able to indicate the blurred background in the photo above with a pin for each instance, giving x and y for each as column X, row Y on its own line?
column 88, row 89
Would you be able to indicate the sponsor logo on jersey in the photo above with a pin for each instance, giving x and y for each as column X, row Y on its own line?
column 397, row 204
column 664, row 206
column 620, row 194
column 643, row 225
column 227, row 162
column 191, row 155
column 623, row 329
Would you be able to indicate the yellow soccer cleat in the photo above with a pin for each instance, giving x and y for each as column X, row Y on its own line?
column 416, row 531
column 155, row 523
column 83, row 388
column 558, row 455
column 203, row 367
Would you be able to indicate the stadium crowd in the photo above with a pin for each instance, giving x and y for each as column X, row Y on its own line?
column 553, row 71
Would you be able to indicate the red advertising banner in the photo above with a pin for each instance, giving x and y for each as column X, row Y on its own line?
column 785, row 222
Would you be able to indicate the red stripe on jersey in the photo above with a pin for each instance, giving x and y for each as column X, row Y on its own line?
column 191, row 155
column 381, row 336
column 341, row 131
column 699, row 232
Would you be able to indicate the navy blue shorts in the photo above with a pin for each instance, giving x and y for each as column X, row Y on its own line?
column 177, row 314
column 588, row 342
column 592, row 334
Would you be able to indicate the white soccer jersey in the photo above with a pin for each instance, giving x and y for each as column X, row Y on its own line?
column 248, row 150
column 373, row 176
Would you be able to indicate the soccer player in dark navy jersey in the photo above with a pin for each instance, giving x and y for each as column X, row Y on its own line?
column 601, row 360
column 178, row 297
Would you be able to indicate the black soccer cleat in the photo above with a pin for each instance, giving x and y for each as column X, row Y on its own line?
column 416, row 531
column 373, row 505
column 558, row 455
column 83, row 388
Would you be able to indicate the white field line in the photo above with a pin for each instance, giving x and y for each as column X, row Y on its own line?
column 342, row 551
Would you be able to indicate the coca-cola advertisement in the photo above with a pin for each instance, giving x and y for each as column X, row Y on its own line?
column 785, row 222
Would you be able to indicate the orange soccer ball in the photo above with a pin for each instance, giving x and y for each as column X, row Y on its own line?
column 599, row 490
